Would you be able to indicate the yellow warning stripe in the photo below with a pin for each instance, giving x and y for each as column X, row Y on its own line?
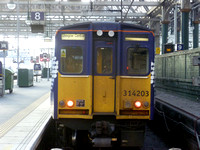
column 5, row 127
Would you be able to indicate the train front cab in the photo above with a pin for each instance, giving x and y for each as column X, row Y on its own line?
column 110, row 80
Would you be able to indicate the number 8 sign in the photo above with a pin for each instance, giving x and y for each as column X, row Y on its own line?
column 38, row 16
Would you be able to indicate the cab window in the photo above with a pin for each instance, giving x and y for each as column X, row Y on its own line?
column 137, row 61
column 71, row 59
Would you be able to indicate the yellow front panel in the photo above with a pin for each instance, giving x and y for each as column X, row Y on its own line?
column 131, row 89
column 75, row 88
column 104, row 94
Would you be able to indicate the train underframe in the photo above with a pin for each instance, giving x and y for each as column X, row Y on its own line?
column 101, row 131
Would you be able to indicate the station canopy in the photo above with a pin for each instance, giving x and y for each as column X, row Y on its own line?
column 49, row 15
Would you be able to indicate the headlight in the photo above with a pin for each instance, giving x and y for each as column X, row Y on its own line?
column 70, row 103
column 138, row 104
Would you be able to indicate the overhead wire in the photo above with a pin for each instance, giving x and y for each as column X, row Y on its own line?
column 128, row 10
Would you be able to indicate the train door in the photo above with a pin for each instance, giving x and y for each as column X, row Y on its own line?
column 104, row 76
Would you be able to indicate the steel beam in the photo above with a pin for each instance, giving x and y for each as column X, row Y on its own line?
column 98, row 3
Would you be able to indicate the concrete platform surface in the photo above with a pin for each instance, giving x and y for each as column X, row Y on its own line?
column 24, row 115
column 11, row 104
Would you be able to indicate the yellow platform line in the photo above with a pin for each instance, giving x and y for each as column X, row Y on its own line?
column 5, row 127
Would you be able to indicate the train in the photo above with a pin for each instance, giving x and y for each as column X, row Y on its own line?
column 102, row 90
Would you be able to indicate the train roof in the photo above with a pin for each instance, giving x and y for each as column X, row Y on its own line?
column 87, row 24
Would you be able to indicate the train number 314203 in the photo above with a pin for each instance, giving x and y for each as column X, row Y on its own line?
column 135, row 93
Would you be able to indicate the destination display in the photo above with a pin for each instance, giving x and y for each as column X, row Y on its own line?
column 73, row 36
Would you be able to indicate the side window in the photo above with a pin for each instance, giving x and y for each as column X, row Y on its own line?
column 71, row 58
column 137, row 61
column 104, row 60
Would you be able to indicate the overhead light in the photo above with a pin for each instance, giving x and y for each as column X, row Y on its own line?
column 11, row 5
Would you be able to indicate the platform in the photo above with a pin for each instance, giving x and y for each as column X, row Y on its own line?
column 182, row 111
column 186, row 104
column 24, row 115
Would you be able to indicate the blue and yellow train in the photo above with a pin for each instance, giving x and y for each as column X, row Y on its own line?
column 104, row 86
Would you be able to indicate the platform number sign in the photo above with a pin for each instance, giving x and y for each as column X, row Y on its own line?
column 38, row 16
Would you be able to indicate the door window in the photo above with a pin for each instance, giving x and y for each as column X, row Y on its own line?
column 104, row 60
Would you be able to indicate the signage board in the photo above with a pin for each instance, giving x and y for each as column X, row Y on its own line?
column 158, row 50
column 179, row 47
column 37, row 28
column 37, row 67
column 168, row 48
column 37, row 16
column 3, row 54
column 44, row 57
column 3, row 45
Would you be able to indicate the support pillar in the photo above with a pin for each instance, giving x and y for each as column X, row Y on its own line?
column 178, row 32
column 155, row 27
column 157, row 37
column 185, row 9
column 165, row 22
column 164, row 34
column 196, row 35
column 196, row 28
column 175, row 23
column 185, row 30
